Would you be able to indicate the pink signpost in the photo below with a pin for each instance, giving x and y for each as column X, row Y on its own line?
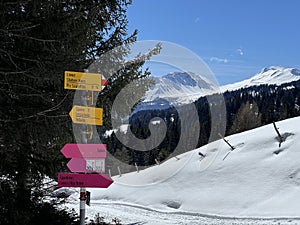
column 84, row 150
column 91, row 180
column 81, row 165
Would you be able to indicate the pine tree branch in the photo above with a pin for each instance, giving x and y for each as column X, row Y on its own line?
column 20, row 29
column 42, row 113
column 10, row 55
column 23, row 86
column 34, row 38
column 23, row 72
column 9, row 33
column 10, row 58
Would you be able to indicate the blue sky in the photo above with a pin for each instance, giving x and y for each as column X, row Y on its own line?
column 235, row 38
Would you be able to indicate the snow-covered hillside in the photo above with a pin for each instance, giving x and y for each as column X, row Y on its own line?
column 257, row 179
column 180, row 88
column 275, row 75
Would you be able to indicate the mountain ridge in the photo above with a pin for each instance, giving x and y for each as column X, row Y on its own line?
column 174, row 84
column 273, row 75
column 179, row 88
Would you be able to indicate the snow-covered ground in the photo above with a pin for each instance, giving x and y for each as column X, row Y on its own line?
column 258, row 179
column 136, row 215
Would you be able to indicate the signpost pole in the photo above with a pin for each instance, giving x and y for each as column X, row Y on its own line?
column 85, row 101
column 83, row 141
column 86, row 133
column 82, row 206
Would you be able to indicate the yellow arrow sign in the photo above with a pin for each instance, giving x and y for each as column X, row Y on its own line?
column 86, row 115
column 83, row 81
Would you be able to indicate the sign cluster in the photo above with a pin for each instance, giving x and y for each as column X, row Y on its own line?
column 87, row 161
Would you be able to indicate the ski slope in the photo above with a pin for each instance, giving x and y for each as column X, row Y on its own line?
column 258, row 182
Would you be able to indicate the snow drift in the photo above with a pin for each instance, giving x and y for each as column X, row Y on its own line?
column 257, row 179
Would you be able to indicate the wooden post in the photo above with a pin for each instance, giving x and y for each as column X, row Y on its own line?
column 278, row 134
column 119, row 171
column 157, row 162
column 227, row 142
column 136, row 167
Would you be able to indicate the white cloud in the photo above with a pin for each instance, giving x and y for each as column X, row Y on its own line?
column 240, row 51
column 218, row 60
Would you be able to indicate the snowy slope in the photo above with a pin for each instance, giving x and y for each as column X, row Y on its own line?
column 180, row 88
column 275, row 75
column 257, row 179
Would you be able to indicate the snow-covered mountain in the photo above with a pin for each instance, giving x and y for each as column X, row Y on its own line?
column 175, row 89
column 180, row 88
column 275, row 75
column 257, row 179
column 177, row 84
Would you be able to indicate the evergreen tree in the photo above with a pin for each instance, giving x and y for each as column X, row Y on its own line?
column 39, row 40
column 248, row 117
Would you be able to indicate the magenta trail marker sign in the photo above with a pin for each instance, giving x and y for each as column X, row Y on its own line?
column 84, row 150
column 86, row 165
column 91, row 180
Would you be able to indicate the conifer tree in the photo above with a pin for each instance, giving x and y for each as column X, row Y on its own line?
column 248, row 117
column 39, row 40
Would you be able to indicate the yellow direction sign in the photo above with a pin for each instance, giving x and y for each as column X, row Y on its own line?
column 86, row 115
column 83, row 81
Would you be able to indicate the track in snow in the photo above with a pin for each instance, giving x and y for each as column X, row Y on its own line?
column 137, row 215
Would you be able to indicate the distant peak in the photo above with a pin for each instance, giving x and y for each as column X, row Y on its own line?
column 178, row 73
column 273, row 75
column 272, row 68
column 295, row 72
column 182, row 78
